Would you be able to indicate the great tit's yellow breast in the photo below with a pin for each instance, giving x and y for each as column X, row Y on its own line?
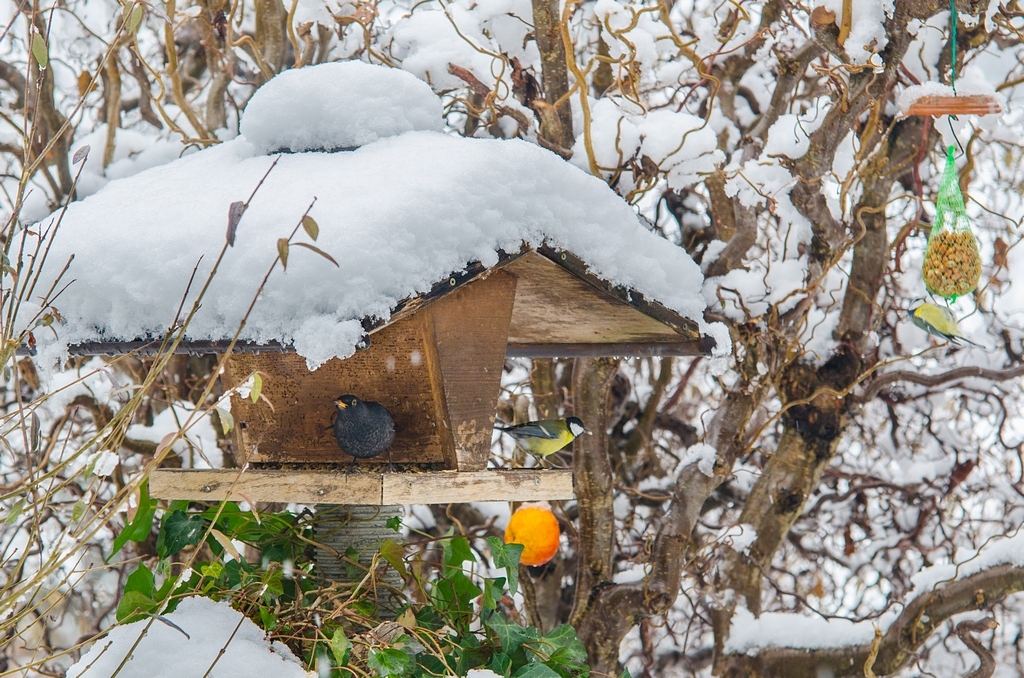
column 546, row 446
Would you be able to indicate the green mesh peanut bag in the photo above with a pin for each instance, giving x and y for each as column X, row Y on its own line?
column 952, row 262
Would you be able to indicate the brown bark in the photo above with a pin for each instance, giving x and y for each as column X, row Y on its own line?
column 111, row 76
column 613, row 609
column 145, row 94
column 271, row 32
column 542, row 385
column 174, row 73
column 554, row 72
column 592, row 466
column 817, row 411
column 48, row 121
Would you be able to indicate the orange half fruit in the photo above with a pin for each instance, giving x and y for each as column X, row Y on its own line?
column 536, row 528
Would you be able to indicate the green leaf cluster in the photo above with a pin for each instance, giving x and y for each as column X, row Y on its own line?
column 463, row 619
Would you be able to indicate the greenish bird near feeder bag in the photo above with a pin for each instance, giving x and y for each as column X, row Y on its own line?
column 952, row 261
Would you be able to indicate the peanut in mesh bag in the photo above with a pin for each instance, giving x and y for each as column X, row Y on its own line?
column 952, row 261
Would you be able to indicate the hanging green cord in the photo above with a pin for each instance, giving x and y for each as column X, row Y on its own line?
column 952, row 68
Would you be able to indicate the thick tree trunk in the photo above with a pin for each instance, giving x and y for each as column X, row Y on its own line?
column 592, row 465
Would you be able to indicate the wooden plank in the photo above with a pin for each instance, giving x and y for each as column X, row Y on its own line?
column 391, row 371
column 277, row 485
column 445, row 487
column 626, row 350
column 456, row 280
column 152, row 347
column 648, row 307
column 439, row 402
column 374, row 489
column 471, row 334
column 556, row 306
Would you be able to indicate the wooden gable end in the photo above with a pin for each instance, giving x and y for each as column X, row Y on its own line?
column 560, row 312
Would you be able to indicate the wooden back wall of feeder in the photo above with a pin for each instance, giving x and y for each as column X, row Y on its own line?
column 437, row 364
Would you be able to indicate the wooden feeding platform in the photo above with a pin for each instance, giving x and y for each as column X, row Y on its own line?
column 436, row 365
column 950, row 104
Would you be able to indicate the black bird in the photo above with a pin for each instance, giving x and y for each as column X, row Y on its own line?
column 363, row 429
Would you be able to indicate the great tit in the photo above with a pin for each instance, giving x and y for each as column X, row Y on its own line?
column 363, row 430
column 940, row 321
column 546, row 436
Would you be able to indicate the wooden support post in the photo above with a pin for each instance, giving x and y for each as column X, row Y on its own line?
column 336, row 529
column 470, row 329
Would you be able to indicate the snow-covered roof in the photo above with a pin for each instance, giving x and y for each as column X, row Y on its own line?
column 401, row 212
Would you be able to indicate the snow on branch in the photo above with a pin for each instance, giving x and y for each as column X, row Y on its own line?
column 792, row 644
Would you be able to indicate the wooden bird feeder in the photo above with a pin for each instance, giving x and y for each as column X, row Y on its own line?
column 950, row 104
column 436, row 364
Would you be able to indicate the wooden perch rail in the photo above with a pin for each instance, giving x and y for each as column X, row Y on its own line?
column 308, row 486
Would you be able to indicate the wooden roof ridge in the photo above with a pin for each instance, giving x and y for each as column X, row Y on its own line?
column 687, row 328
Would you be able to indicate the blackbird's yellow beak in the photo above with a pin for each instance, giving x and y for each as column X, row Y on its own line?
column 340, row 403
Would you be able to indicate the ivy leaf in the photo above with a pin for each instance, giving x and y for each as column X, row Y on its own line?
column 138, row 529
column 389, row 661
column 141, row 581
column 507, row 556
column 535, row 670
column 312, row 229
column 493, row 588
column 453, row 596
column 319, row 251
column 340, row 647
column 282, row 251
column 139, row 590
column 568, row 653
column 212, row 570
column 269, row 619
column 178, row 531
column 625, row 674
column 39, row 50
column 393, row 552
column 500, row 664
column 510, row 635
column 456, row 552
column 133, row 606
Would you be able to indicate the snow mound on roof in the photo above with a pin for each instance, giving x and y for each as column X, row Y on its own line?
column 344, row 104
column 398, row 215
column 188, row 644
